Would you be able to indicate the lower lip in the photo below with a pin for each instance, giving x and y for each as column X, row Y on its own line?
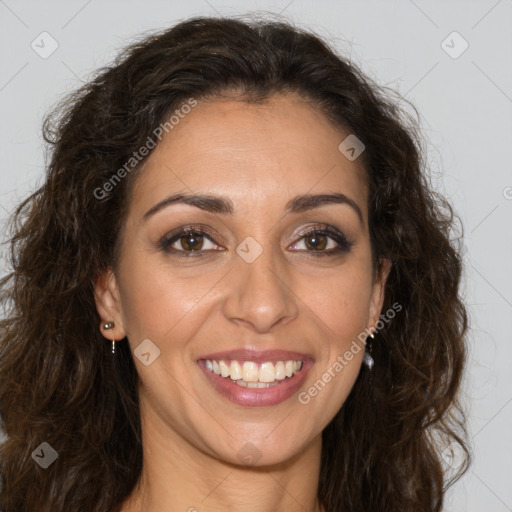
column 257, row 397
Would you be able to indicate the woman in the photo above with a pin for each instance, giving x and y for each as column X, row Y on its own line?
column 234, row 290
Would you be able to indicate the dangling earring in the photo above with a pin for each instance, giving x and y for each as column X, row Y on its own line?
column 368, row 359
column 107, row 326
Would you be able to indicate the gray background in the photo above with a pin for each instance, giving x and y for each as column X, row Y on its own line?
column 465, row 105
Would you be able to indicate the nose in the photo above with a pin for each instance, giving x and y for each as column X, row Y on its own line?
column 260, row 294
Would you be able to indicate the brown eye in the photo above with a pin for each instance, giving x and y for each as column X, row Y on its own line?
column 188, row 242
column 316, row 241
column 324, row 241
column 192, row 241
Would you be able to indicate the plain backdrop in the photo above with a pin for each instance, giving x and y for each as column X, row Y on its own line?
column 461, row 84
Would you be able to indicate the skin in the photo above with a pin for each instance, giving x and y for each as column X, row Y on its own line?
column 259, row 157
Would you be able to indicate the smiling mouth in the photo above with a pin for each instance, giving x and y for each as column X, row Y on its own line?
column 251, row 374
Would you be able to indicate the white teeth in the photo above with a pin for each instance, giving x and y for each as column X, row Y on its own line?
column 224, row 369
column 235, row 371
column 267, row 373
column 251, row 374
column 258, row 385
column 280, row 371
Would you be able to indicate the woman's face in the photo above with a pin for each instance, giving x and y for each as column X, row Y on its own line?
column 251, row 285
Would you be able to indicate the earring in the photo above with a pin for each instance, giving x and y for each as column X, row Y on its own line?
column 107, row 326
column 368, row 359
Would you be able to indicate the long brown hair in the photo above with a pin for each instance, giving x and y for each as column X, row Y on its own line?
column 59, row 383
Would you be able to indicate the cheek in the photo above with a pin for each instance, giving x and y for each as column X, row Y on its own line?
column 159, row 302
column 342, row 301
column 151, row 300
column 341, row 307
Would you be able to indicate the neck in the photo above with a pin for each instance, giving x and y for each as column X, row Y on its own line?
column 177, row 476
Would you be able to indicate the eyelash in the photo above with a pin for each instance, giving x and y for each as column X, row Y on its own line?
column 344, row 244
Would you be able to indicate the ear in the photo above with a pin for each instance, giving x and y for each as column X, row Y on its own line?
column 108, row 304
column 377, row 296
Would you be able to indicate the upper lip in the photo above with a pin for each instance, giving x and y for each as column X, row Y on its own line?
column 258, row 356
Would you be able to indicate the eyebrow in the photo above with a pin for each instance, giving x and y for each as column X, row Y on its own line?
column 222, row 205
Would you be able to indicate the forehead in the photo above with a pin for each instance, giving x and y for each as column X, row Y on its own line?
column 254, row 153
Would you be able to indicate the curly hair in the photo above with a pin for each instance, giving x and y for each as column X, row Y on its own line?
column 383, row 449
